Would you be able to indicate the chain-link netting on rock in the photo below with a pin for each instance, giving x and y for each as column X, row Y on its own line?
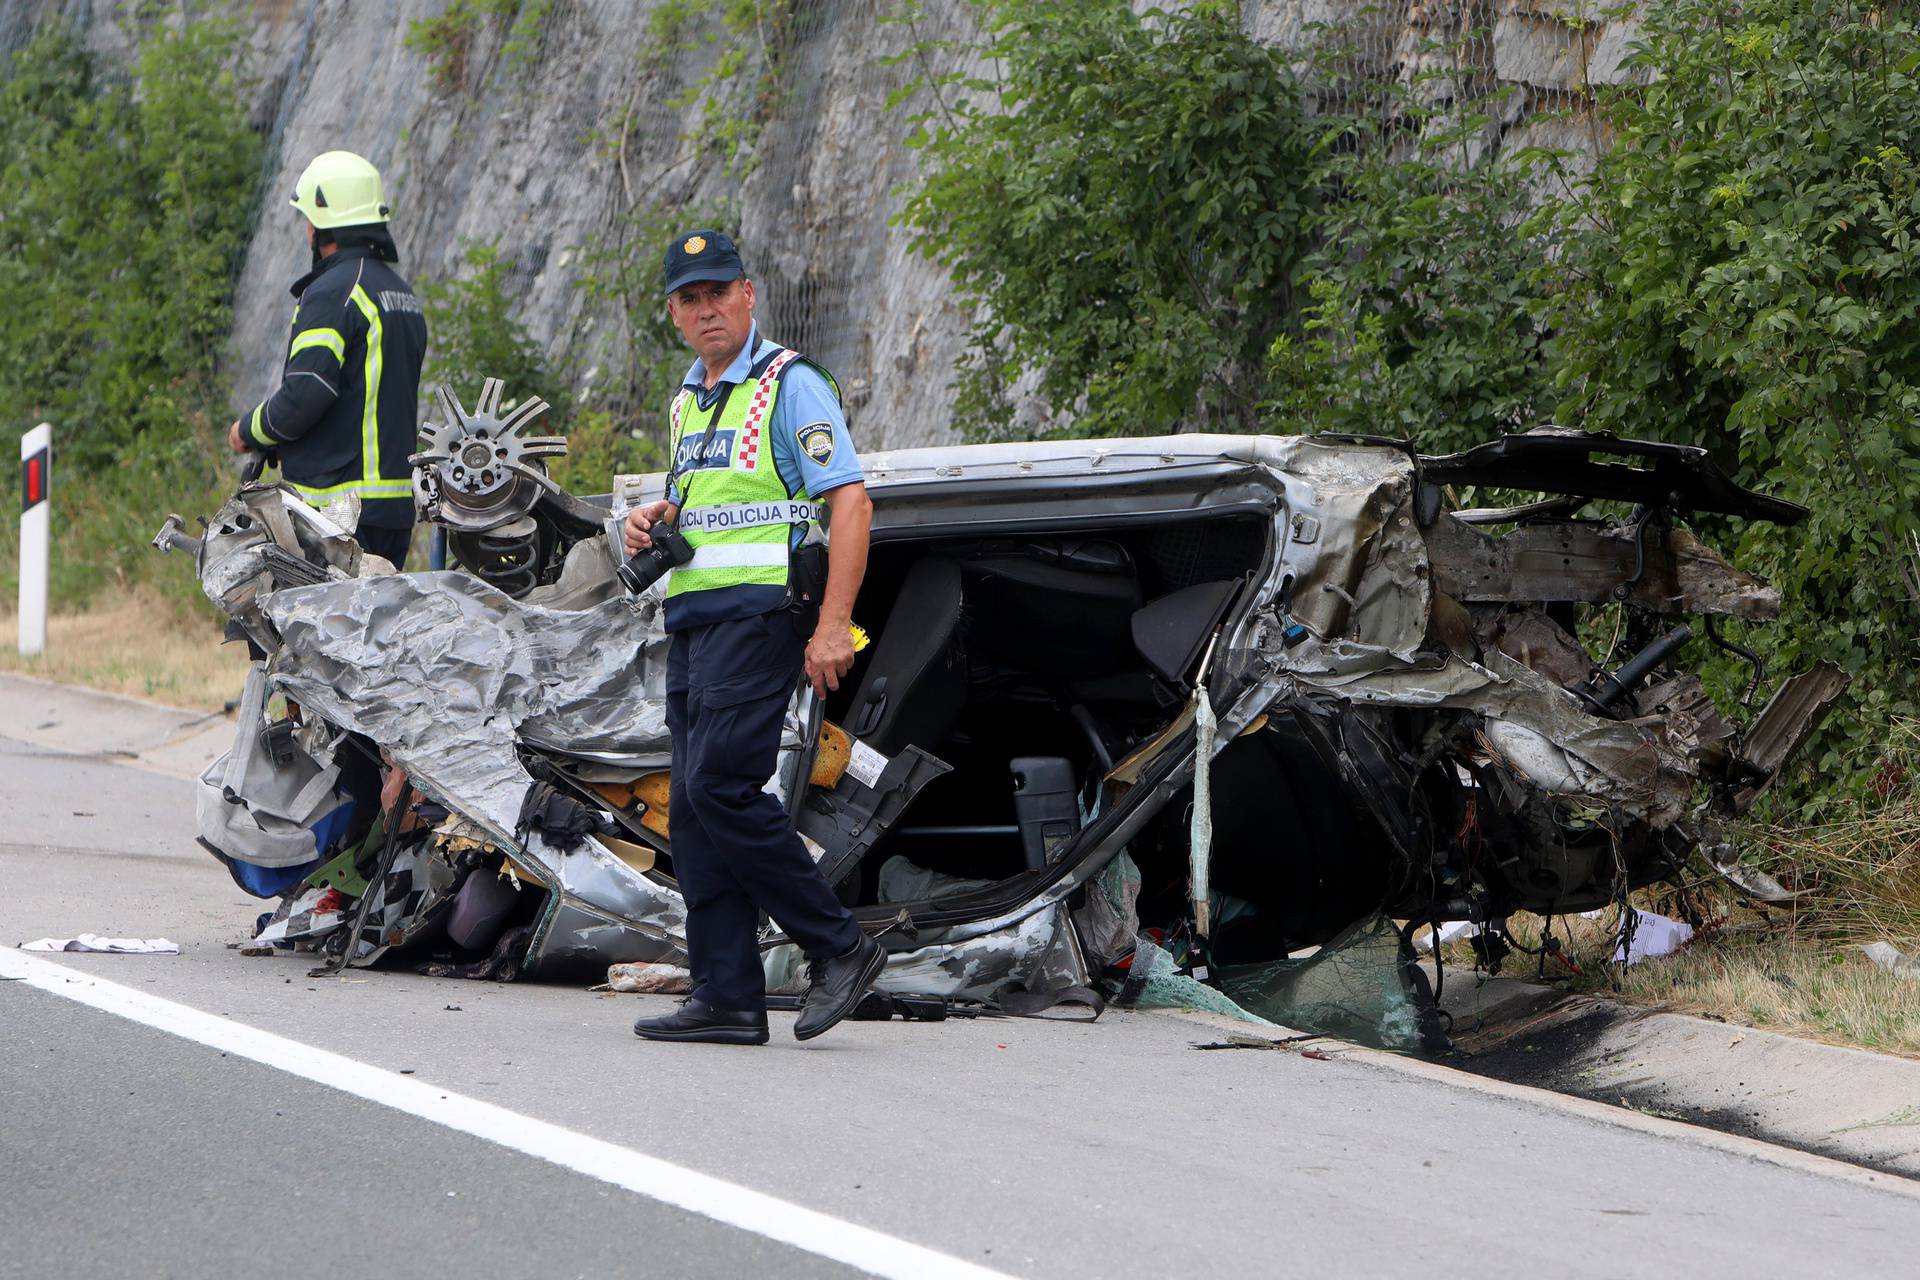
column 575, row 152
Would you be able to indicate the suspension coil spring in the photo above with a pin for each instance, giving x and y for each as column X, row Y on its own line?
column 507, row 559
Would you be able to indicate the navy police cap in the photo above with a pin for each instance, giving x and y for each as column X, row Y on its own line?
column 702, row 255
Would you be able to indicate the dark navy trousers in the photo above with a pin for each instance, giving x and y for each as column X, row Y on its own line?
column 735, row 853
column 388, row 544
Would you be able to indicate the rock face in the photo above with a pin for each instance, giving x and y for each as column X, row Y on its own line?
column 548, row 147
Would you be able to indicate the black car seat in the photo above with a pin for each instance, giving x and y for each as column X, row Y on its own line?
column 1169, row 633
column 916, row 680
column 1054, row 607
column 1172, row 631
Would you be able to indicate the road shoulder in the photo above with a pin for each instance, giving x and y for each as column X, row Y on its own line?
column 86, row 722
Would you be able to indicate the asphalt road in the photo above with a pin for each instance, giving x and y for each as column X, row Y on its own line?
column 142, row 1154
column 1029, row 1147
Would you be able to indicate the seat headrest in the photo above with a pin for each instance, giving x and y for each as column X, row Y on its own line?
column 1170, row 632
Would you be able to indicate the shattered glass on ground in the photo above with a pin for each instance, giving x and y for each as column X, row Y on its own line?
column 1356, row 987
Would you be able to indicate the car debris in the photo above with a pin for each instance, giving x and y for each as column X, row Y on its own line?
column 1885, row 955
column 1255, row 693
column 644, row 978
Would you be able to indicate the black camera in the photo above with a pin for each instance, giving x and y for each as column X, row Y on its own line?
column 670, row 550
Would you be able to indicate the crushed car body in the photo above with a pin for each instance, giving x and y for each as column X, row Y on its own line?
column 1397, row 711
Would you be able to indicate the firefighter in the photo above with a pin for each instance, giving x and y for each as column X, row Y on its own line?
column 345, row 416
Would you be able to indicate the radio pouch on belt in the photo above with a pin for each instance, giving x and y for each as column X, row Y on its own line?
column 806, row 583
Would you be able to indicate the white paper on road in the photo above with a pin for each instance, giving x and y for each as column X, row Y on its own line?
column 114, row 946
column 1652, row 936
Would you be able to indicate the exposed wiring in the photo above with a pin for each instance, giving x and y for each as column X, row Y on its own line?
column 1619, row 629
column 1752, row 659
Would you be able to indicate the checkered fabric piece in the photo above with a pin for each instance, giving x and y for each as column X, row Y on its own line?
column 749, row 455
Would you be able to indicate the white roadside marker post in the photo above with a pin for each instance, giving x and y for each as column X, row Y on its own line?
column 36, row 457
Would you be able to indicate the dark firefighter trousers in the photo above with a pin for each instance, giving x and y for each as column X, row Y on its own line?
column 388, row 544
column 735, row 853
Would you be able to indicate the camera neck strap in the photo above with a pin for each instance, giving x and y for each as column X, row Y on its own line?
column 700, row 450
column 699, row 454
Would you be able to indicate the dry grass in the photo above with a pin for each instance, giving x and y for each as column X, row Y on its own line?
column 1743, row 967
column 1822, row 992
column 1860, row 874
column 139, row 644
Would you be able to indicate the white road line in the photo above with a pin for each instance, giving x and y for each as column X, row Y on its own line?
column 871, row 1251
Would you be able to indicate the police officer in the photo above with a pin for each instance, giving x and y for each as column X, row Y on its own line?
column 760, row 446
column 344, row 417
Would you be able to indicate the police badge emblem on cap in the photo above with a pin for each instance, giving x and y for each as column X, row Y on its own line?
column 700, row 255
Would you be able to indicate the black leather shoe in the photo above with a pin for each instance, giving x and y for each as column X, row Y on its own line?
column 699, row 1021
column 837, row 986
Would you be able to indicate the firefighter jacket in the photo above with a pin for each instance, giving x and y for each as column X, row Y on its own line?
column 345, row 416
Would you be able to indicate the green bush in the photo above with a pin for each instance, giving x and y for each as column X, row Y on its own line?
column 473, row 334
column 1127, row 204
column 446, row 39
column 614, row 424
column 622, row 269
column 1420, row 298
column 1742, row 274
column 599, row 447
column 745, row 84
column 1135, row 201
column 128, row 207
column 128, row 203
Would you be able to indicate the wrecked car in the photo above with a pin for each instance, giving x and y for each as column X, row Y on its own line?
column 1224, row 694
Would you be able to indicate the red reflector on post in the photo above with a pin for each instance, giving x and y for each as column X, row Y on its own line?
column 33, row 479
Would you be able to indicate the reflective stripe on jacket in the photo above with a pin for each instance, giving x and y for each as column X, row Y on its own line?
column 344, row 418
